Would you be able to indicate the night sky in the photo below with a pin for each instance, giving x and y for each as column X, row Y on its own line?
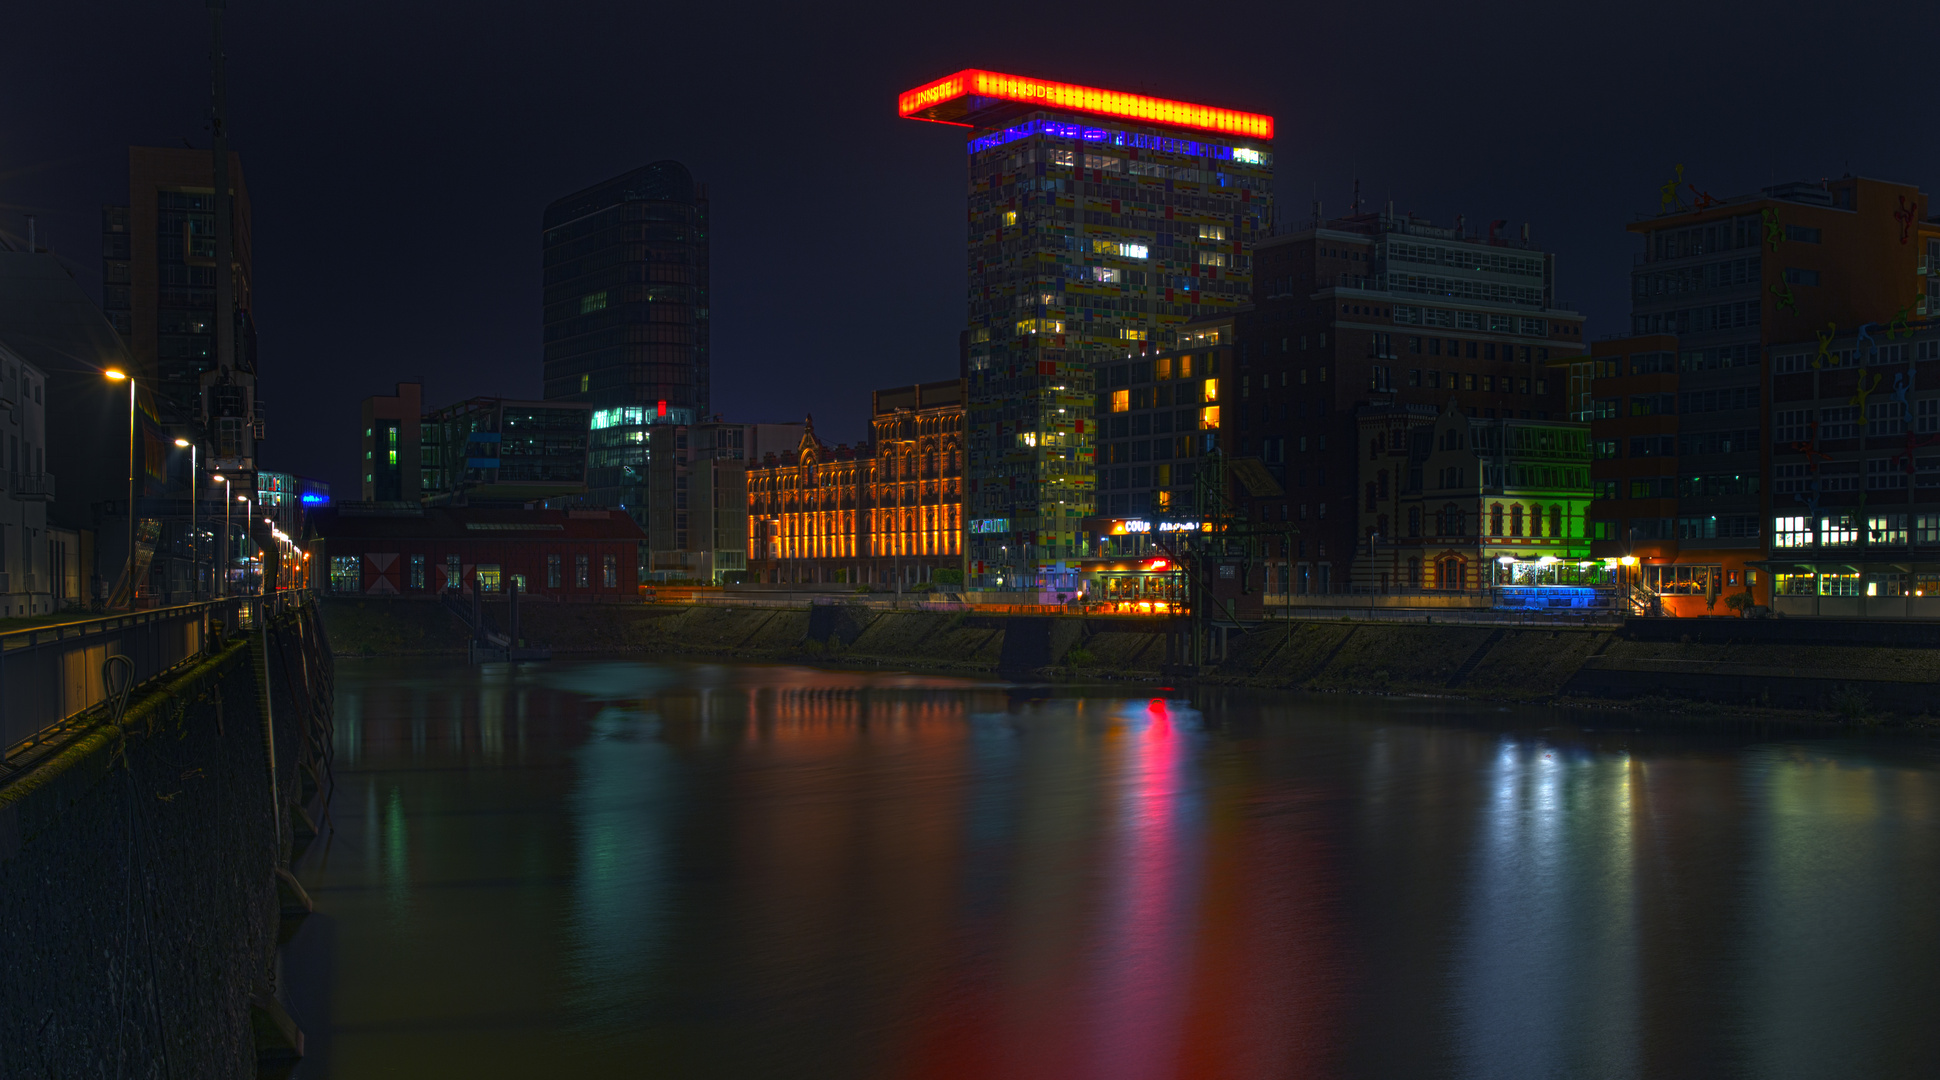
column 399, row 155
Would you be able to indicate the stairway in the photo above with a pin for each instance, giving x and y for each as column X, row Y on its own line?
column 1475, row 658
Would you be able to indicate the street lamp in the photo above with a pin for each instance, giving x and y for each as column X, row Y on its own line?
column 222, row 553
column 117, row 375
column 243, row 499
column 195, row 542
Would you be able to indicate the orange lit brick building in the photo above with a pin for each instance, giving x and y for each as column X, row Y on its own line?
column 886, row 510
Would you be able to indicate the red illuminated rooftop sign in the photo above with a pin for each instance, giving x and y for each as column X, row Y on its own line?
column 960, row 98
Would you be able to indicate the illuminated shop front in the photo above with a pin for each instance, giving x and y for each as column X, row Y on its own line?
column 1137, row 565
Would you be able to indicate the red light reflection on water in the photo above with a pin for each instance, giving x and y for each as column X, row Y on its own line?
column 1200, row 942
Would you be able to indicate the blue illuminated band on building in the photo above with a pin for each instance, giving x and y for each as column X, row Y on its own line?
column 1132, row 139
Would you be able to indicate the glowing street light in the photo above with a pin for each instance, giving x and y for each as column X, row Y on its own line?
column 195, row 542
column 117, row 375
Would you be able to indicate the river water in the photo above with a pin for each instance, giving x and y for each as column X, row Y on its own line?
column 679, row 870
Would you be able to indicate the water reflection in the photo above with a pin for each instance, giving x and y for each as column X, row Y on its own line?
column 748, row 871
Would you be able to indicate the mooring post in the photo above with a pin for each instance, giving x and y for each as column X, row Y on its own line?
column 512, row 614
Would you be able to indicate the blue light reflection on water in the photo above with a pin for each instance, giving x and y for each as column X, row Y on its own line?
column 755, row 871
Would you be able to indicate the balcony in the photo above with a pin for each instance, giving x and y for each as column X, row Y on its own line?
column 32, row 487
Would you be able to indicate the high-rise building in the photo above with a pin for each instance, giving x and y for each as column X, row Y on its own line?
column 1099, row 221
column 159, row 290
column 626, row 315
column 1379, row 309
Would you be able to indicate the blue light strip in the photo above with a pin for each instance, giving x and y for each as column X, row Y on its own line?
column 1163, row 144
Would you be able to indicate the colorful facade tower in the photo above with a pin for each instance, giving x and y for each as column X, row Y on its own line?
column 1098, row 222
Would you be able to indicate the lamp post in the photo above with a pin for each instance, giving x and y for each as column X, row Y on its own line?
column 252, row 508
column 222, row 551
column 119, row 376
column 195, row 542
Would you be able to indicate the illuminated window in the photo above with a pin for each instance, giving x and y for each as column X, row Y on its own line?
column 1791, row 532
column 346, row 571
column 584, row 382
column 1212, row 390
column 1185, row 367
column 1133, row 335
column 1107, row 274
column 1062, row 158
column 590, row 304
column 1212, row 232
column 1010, row 217
column 1100, row 161
column 1247, row 156
column 1164, row 368
column 1209, row 418
column 488, row 577
column 1113, row 247
column 980, row 334
column 1121, row 400
column 1041, row 326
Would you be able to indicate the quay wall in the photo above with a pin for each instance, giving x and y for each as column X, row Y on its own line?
column 1791, row 664
column 140, row 897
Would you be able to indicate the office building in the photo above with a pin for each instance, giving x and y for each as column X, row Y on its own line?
column 626, row 314
column 1100, row 222
column 393, row 445
column 1157, row 418
column 483, row 451
column 28, row 582
column 1697, row 459
column 49, row 321
column 1455, row 503
column 887, row 513
column 1380, row 309
column 697, row 484
column 496, row 451
column 159, row 288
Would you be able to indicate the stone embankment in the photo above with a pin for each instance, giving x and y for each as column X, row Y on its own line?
column 144, row 882
column 1816, row 665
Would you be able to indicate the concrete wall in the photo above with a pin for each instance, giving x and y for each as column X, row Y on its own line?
column 1775, row 663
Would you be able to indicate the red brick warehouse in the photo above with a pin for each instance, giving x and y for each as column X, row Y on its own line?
column 572, row 555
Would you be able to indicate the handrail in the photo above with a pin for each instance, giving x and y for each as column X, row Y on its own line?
column 51, row 677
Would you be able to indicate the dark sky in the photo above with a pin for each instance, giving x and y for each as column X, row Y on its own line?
column 399, row 154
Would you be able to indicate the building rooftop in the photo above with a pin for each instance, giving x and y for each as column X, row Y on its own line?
column 380, row 520
column 977, row 98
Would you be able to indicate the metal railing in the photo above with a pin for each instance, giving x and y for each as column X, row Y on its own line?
column 51, row 676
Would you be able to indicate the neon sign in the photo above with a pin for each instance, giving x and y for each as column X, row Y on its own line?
column 949, row 99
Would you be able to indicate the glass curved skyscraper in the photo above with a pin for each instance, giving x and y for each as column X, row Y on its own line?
column 626, row 316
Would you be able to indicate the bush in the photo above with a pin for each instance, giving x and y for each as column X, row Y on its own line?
column 1850, row 702
column 1738, row 602
column 1078, row 657
column 947, row 577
